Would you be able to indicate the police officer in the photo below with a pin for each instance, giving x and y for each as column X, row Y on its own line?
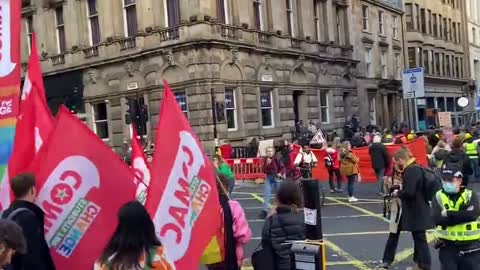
column 471, row 149
column 456, row 213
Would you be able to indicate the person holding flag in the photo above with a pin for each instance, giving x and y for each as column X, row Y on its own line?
column 31, row 219
column 134, row 244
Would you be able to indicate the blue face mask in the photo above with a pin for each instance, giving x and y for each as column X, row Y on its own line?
column 449, row 188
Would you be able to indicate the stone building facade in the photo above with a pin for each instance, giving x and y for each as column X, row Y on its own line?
column 437, row 41
column 378, row 37
column 267, row 64
column 473, row 18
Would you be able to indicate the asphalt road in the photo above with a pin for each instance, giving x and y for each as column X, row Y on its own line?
column 355, row 233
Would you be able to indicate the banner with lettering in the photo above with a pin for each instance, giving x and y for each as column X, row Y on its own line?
column 10, row 21
column 85, row 183
column 140, row 167
column 182, row 196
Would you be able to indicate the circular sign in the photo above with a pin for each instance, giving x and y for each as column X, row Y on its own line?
column 413, row 79
column 462, row 102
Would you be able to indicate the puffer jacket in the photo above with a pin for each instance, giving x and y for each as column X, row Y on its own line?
column 349, row 164
column 286, row 224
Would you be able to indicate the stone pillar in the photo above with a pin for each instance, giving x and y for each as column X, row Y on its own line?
column 112, row 25
column 332, row 20
column 306, row 27
column 74, row 14
column 116, row 11
column 386, row 111
column 48, row 37
column 244, row 8
column 145, row 14
column 159, row 13
column 279, row 21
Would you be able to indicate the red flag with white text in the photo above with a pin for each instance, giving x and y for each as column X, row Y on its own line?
column 85, row 183
column 140, row 167
column 182, row 197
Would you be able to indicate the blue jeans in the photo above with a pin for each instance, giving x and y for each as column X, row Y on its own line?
column 475, row 168
column 270, row 183
column 231, row 185
column 351, row 184
column 380, row 173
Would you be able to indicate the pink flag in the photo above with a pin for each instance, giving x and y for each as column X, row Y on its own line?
column 182, row 196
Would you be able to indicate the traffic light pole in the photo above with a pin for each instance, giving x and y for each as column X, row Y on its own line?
column 214, row 115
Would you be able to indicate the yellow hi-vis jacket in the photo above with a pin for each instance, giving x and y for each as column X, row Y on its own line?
column 471, row 149
column 469, row 231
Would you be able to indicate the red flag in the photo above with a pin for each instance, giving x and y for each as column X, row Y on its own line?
column 34, row 122
column 140, row 167
column 85, row 183
column 182, row 196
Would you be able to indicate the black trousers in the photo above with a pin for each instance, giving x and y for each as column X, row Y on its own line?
column 451, row 259
column 334, row 173
column 421, row 254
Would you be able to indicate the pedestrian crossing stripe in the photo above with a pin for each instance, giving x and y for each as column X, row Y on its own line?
column 350, row 260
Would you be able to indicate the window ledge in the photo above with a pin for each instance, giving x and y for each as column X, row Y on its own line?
column 367, row 32
column 232, row 129
column 268, row 127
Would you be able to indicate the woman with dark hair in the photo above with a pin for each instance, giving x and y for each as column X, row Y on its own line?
column 134, row 244
column 225, row 250
column 286, row 223
column 11, row 241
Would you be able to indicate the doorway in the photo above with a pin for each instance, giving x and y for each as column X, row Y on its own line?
column 298, row 105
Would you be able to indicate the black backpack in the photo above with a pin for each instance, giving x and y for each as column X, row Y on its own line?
column 432, row 182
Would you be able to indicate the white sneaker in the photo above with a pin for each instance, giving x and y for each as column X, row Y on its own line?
column 352, row 199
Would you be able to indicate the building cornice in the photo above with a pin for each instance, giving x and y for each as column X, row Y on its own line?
column 206, row 43
column 385, row 6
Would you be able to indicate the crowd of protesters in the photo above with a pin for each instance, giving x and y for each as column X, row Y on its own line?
column 413, row 203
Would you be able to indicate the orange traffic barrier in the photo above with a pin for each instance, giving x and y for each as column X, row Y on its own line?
column 252, row 168
column 417, row 147
column 247, row 168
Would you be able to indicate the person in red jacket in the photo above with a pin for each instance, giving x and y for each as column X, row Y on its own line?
column 332, row 163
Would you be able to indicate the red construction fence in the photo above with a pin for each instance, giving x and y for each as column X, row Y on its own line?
column 252, row 168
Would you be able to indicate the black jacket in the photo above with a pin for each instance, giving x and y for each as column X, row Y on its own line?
column 460, row 160
column 280, row 227
column 456, row 217
column 416, row 213
column 379, row 156
column 38, row 254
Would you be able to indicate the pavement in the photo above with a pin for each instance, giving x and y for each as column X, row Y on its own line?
column 355, row 233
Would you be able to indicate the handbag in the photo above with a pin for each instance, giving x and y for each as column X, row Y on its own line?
column 263, row 258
